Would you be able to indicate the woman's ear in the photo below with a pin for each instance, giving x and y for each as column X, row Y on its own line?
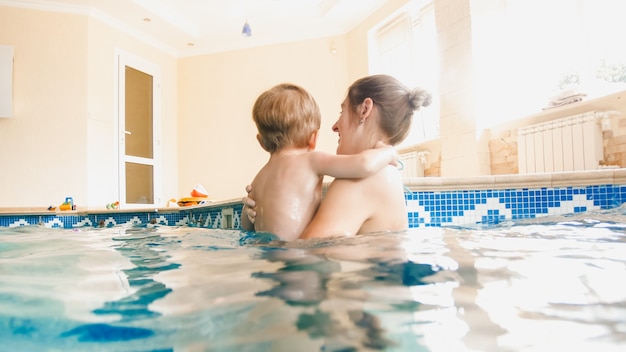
column 366, row 108
column 313, row 140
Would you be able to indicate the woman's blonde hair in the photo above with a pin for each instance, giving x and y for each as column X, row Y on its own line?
column 395, row 101
column 286, row 115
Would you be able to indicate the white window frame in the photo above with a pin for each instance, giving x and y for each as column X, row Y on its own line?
column 400, row 48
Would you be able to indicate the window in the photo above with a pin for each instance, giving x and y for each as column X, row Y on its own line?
column 405, row 47
column 527, row 52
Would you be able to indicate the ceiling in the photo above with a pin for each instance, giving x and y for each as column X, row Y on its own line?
column 195, row 27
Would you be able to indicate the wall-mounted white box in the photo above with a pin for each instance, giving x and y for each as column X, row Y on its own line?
column 6, row 81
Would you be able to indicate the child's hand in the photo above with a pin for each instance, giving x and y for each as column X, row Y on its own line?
column 394, row 153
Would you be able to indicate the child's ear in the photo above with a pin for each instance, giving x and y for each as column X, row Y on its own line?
column 258, row 138
column 313, row 140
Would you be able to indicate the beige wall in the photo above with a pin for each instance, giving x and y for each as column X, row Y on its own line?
column 62, row 140
column 42, row 148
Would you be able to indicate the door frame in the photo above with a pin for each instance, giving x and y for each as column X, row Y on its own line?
column 123, row 59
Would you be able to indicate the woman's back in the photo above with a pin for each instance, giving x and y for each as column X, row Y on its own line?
column 357, row 206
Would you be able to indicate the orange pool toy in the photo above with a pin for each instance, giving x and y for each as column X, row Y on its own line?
column 199, row 191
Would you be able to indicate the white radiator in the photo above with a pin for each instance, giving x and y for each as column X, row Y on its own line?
column 411, row 164
column 573, row 143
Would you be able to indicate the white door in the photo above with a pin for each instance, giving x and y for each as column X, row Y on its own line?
column 139, row 132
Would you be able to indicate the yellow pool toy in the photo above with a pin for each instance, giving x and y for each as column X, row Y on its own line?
column 68, row 204
column 185, row 202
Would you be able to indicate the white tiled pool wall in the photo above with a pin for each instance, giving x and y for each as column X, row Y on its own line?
column 430, row 202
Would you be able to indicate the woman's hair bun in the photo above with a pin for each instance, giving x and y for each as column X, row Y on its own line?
column 419, row 97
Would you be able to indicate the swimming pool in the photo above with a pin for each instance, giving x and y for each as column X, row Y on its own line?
column 540, row 284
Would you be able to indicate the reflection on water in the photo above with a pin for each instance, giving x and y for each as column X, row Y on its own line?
column 525, row 286
column 313, row 278
column 147, row 262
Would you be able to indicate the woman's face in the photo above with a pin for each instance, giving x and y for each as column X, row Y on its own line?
column 346, row 126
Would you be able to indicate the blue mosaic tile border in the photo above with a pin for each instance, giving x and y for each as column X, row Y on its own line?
column 197, row 217
column 463, row 207
column 425, row 209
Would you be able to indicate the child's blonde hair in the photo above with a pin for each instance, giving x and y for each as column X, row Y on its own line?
column 286, row 115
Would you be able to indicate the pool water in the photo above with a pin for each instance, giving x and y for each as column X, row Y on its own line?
column 548, row 285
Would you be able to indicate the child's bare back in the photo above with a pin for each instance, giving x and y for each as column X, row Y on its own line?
column 289, row 192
